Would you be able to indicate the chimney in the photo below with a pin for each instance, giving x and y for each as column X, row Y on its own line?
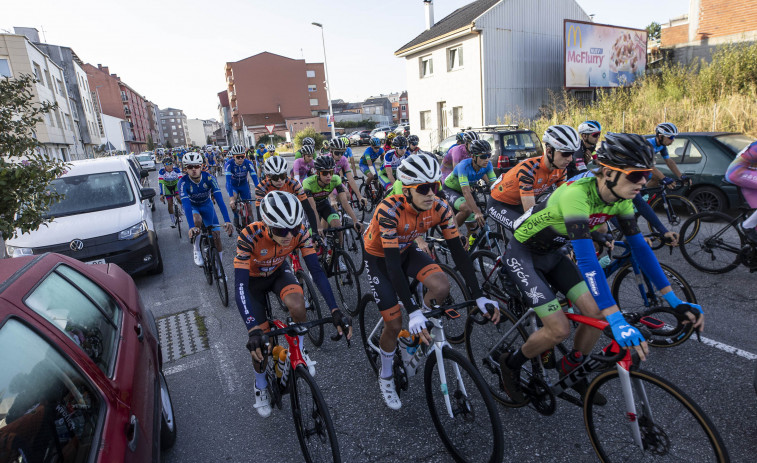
column 30, row 33
column 429, row 5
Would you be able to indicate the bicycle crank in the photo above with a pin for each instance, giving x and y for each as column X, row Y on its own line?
column 541, row 397
column 401, row 382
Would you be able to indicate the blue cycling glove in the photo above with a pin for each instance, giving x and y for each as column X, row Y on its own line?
column 667, row 181
column 675, row 302
column 624, row 334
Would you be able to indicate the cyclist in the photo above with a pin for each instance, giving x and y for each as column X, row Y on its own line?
column 270, row 151
column 348, row 154
column 665, row 133
column 210, row 159
column 307, row 141
column 391, row 257
column 168, row 179
column 570, row 214
column 459, row 140
column 342, row 167
column 412, row 145
column 303, row 167
column 236, row 171
column 457, row 153
column 369, row 157
column 742, row 172
column 318, row 187
column 388, row 141
column 195, row 189
column 589, row 131
column 260, row 266
column 324, row 147
column 516, row 190
column 467, row 172
column 392, row 160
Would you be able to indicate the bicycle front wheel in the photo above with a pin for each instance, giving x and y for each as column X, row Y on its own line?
column 312, row 420
column 671, row 426
column 346, row 282
column 312, row 307
column 716, row 247
column 371, row 327
column 679, row 210
column 353, row 245
column 177, row 216
column 469, row 424
column 220, row 276
column 454, row 328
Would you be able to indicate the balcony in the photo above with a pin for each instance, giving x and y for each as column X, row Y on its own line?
column 232, row 96
column 229, row 79
column 127, row 111
column 124, row 97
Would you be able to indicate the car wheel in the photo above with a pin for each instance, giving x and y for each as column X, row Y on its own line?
column 708, row 199
column 167, row 419
column 158, row 268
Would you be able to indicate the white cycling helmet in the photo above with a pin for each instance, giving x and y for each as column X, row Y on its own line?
column 666, row 129
column 237, row 149
column 307, row 150
column 275, row 165
column 192, row 158
column 470, row 136
column 270, row 148
column 562, row 138
column 419, row 168
column 208, row 149
column 589, row 127
column 281, row 210
column 308, row 141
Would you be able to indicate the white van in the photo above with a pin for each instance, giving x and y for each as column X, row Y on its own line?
column 105, row 217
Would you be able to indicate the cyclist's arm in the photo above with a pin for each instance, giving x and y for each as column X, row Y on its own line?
column 228, row 182
column 464, row 266
column 309, row 213
column 252, row 313
column 219, row 200
column 254, row 175
column 160, row 184
column 526, row 189
column 648, row 213
column 187, row 205
column 353, row 185
column 673, row 167
column 468, row 195
column 316, row 271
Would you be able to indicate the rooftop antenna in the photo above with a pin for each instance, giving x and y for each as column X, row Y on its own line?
column 302, row 53
column 44, row 37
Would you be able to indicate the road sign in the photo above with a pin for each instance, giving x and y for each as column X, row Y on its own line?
column 270, row 128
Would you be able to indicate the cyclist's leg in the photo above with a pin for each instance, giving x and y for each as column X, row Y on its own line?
column 210, row 220
column 386, row 300
column 457, row 201
column 245, row 193
column 290, row 292
column 422, row 267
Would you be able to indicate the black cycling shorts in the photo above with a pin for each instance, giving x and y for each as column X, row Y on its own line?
column 281, row 282
column 504, row 214
column 325, row 211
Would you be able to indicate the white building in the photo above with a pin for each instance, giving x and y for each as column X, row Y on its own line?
column 114, row 132
column 196, row 132
column 57, row 132
column 485, row 61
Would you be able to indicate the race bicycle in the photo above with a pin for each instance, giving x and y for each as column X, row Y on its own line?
column 673, row 210
column 212, row 265
column 337, row 264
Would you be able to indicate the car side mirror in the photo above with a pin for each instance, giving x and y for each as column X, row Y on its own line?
column 143, row 173
column 146, row 193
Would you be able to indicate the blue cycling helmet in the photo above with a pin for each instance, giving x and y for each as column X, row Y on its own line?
column 375, row 142
column 589, row 127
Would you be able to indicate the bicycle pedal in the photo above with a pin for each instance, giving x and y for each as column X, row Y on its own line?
column 651, row 322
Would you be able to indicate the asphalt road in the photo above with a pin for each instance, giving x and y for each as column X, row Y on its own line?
column 213, row 396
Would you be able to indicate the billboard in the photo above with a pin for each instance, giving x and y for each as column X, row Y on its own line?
column 599, row 55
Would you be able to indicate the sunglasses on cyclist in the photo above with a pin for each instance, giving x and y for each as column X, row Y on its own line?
column 193, row 167
column 484, row 156
column 565, row 154
column 277, row 177
column 425, row 188
column 167, row 163
column 596, row 134
column 633, row 175
column 337, row 153
column 238, row 157
column 283, row 232
column 672, row 138
column 326, row 172
column 402, row 147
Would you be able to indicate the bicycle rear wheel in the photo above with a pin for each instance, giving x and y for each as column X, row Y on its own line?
column 312, row 420
column 368, row 317
column 177, row 216
column 672, row 426
column 206, row 266
column 717, row 245
column 219, row 274
column 312, row 307
column 346, row 282
column 681, row 209
column 353, row 245
column 474, row 431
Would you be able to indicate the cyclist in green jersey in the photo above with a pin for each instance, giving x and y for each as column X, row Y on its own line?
column 457, row 184
column 307, row 141
column 318, row 187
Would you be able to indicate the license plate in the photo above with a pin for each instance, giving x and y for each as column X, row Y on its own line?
column 98, row 261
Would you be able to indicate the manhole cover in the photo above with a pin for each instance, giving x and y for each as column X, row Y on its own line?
column 182, row 334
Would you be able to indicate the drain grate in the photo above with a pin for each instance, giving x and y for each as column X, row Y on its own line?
column 182, row 334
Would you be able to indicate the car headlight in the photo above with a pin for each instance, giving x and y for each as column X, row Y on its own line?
column 135, row 231
column 16, row 251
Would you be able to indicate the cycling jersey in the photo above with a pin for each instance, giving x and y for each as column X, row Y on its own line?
column 302, row 170
column 396, row 223
column 321, row 193
column 289, row 186
column 236, row 175
column 348, row 152
column 195, row 197
column 261, row 255
column 453, row 157
column 368, row 158
column 269, row 154
column 169, row 180
column 464, row 174
column 342, row 166
column 393, row 160
column 663, row 150
column 259, row 153
column 210, row 159
column 531, row 177
column 743, row 173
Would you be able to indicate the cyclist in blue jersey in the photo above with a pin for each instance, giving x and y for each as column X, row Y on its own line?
column 236, row 171
column 195, row 189
column 468, row 171
column 392, row 160
column 348, row 153
column 369, row 157
column 665, row 133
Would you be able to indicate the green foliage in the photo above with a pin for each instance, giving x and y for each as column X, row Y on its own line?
column 150, row 143
column 654, row 30
column 366, row 124
column 308, row 132
column 25, row 170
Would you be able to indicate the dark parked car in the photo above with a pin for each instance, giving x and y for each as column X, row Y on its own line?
column 705, row 156
column 510, row 146
column 81, row 377
column 360, row 138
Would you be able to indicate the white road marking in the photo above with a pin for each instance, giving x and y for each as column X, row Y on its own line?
column 226, row 372
column 185, row 366
column 729, row 349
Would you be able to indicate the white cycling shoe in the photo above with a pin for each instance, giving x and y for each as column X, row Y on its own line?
column 262, row 402
column 199, row 261
column 389, row 393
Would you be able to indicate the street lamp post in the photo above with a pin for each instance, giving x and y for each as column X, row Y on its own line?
column 105, row 129
column 328, row 87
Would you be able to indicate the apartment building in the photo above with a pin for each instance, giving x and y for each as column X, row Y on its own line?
column 175, row 127
column 224, row 114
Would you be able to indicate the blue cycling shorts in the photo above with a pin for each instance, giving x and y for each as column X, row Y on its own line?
column 243, row 190
column 208, row 213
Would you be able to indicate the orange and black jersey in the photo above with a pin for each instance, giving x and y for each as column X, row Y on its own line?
column 290, row 186
column 530, row 177
column 259, row 253
column 396, row 224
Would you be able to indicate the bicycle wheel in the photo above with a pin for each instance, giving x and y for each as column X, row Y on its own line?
column 635, row 305
column 312, row 420
column 206, row 266
column 672, row 426
column 219, row 274
column 716, row 247
column 484, row 262
column 312, row 307
column 368, row 319
column 454, row 329
column 346, row 282
column 481, row 337
column 680, row 210
column 353, row 245
column 469, row 427
column 177, row 215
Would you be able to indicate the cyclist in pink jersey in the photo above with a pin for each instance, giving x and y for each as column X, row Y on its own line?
column 303, row 167
column 457, row 153
column 743, row 173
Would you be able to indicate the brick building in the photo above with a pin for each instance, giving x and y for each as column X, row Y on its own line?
column 708, row 24
column 268, row 84
column 173, row 122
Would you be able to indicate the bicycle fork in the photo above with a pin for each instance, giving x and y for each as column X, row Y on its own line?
column 440, row 341
column 628, row 395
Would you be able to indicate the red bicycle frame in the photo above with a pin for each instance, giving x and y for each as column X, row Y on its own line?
column 295, row 356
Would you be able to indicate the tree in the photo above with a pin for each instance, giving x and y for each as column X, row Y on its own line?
column 208, row 140
column 654, row 30
column 168, row 144
column 150, row 143
column 25, row 168
column 308, row 132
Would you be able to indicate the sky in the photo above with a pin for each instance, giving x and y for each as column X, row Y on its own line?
column 173, row 52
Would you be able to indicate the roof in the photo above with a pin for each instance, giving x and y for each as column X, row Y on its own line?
column 376, row 101
column 223, row 97
column 97, row 165
column 459, row 18
column 262, row 119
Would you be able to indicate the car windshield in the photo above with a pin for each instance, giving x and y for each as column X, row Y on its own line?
column 520, row 141
column 735, row 141
column 144, row 157
column 91, row 192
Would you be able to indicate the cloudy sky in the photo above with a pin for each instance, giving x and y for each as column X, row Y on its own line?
column 174, row 51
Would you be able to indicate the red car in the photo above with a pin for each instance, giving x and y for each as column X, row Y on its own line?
column 80, row 365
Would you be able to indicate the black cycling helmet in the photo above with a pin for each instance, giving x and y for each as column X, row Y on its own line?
column 626, row 150
column 479, row 147
column 399, row 142
column 324, row 163
column 413, row 139
column 460, row 138
column 337, row 144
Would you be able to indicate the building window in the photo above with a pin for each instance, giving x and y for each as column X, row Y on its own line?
column 314, row 102
column 427, row 66
column 171, row 113
column 310, row 74
column 5, row 70
column 457, row 116
column 173, row 127
column 425, row 120
column 403, row 107
column 311, row 88
column 173, row 120
column 454, row 58
column 176, row 140
column 174, row 133
column 38, row 72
